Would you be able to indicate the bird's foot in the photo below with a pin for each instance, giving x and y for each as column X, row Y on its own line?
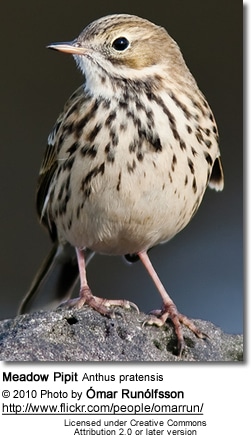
column 169, row 311
column 101, row 305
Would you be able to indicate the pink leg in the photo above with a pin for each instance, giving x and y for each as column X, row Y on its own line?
column 169, row 309
column 87, row 298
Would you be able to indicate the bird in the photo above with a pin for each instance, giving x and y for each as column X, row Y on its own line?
column 127, row 162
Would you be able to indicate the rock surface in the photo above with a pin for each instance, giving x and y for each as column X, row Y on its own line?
column 85, row 335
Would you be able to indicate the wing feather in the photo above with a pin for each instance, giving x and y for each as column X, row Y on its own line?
column 50, row 164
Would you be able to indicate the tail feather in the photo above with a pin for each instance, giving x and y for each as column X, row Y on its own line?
column 55, row 280
column 217, row 178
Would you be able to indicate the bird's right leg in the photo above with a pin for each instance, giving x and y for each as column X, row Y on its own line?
column 86, row 296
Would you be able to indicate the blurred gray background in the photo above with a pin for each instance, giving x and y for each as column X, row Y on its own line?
column 202, row 267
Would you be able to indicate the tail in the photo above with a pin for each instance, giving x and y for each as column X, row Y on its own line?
column 217, row 177
column 55, row 280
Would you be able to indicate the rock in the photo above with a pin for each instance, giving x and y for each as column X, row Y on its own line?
column 85, row 335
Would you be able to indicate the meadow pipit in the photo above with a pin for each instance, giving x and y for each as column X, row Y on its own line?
column 128, row 160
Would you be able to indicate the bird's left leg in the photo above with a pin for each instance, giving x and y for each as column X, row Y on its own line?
column 169, row 310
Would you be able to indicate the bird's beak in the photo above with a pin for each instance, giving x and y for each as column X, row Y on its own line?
column 67, row 47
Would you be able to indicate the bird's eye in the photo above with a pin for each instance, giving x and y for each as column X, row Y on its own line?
column 120, row 44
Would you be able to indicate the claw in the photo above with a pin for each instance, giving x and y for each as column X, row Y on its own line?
column 101, row 305
column 159, row 317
